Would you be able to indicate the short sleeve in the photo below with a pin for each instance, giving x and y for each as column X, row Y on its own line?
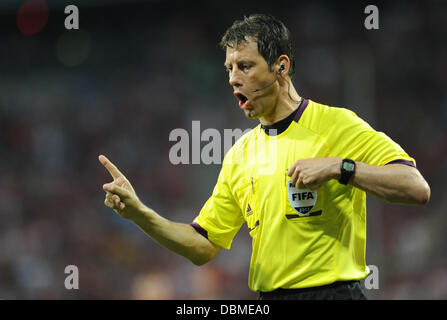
column 351, row 137
column 221, row 216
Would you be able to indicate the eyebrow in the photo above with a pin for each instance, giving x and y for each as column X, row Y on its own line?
column 242, row 61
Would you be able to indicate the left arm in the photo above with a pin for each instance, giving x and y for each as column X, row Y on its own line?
column 395, row 183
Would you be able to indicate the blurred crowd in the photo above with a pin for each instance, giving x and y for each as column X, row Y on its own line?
column 132, row 74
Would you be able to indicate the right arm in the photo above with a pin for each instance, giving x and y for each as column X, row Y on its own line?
column 180, row 238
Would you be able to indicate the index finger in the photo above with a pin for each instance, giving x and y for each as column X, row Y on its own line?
column 114, row 172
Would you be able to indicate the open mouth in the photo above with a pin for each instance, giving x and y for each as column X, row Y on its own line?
column 243, row 100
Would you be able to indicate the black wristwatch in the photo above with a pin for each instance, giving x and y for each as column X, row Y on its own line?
column 348, row 167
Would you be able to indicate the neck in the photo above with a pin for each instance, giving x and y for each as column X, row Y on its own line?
column 287, row 102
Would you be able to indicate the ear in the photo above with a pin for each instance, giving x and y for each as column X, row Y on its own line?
column 283, row 65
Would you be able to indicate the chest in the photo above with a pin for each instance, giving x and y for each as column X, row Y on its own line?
column 263, row 190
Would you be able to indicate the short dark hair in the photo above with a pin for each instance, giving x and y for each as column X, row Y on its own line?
column 272, row 36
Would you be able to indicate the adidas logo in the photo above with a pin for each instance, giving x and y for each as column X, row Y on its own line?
column 249, row 211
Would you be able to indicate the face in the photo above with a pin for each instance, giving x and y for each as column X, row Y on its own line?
column 248, row 70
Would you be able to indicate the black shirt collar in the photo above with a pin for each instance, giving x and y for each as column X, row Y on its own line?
column 281, row 125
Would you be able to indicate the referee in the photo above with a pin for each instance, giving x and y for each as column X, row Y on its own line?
column 298, row 180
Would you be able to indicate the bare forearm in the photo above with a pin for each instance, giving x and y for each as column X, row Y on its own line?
column 180, row 238
column 394, row 183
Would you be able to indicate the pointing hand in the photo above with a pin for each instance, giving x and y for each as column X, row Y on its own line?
column 120, row 195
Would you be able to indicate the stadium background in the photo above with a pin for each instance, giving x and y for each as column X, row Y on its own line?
column 137, row 70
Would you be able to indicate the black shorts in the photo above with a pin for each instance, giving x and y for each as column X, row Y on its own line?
column 340, row 290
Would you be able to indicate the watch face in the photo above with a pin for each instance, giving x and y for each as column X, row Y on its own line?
column 348, row 166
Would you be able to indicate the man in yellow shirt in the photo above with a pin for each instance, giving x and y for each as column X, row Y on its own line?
column 298, row 180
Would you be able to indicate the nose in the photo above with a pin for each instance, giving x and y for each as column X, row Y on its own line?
column 235, row 79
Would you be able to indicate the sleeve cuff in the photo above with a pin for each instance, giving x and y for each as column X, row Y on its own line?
column 199, row 229
column 401, row 161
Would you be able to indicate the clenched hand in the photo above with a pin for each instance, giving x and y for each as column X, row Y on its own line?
column 313, row 172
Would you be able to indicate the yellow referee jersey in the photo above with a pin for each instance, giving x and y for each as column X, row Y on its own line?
column 300, row 238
